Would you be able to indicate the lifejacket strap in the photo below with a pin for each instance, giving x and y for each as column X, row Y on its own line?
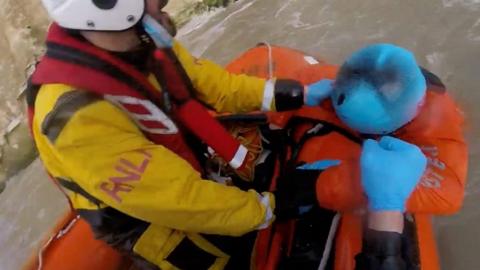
column 268, row 95
column 239, row 158
column 74, row 187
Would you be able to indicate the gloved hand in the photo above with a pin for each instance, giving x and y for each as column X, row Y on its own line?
column 390, row 170
column 296, row 190
column 267, row 199
column 315, row 93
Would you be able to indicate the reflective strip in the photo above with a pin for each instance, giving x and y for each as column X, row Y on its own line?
column 155, row 114
column 143, row 117
column 210, row 151
column 268, row 94
column 311, row 60
column 239, row 158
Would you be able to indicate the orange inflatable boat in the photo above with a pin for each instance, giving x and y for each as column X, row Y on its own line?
column 73, row 245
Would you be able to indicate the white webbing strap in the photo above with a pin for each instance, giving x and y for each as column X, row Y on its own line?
column 239, row 158
column 268, row 95
column 329, row 243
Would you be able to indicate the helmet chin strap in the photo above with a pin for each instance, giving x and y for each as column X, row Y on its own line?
column 145, row 39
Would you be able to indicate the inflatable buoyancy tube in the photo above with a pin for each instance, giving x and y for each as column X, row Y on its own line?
column 73, row 246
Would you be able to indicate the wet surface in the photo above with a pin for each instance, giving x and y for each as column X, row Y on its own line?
column 30, row 206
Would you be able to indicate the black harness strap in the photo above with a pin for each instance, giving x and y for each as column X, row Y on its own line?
column 157, row 70
column 74, row 187
column 259, row 118
column 31, row 93
column 433, row 80
column 320, row 128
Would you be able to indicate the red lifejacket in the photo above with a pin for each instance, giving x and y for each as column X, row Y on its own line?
column 77, row 63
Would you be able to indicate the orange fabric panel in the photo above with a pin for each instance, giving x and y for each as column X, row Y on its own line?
column 79, row 250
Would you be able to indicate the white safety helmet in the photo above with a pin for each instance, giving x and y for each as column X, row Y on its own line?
column 98, row 15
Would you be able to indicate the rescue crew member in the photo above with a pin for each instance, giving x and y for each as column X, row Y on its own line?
column 113, row 115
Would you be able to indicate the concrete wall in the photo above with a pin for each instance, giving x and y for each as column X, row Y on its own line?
column 22, row 30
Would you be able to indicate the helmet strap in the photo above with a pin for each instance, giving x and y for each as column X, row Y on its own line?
column 157, row 32
column 143, row 36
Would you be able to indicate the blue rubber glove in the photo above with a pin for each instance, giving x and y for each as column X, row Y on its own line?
column 317, row 92
column 390, row 170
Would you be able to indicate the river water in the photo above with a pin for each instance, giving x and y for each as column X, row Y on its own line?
column 444, row 35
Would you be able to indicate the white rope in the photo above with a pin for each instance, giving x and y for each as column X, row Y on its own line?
column 329, row 243
column 59, row 235
column 270, row 59
column 40, row 253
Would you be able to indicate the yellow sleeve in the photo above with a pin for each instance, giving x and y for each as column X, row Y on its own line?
column 108, row 156
column 223, row 91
